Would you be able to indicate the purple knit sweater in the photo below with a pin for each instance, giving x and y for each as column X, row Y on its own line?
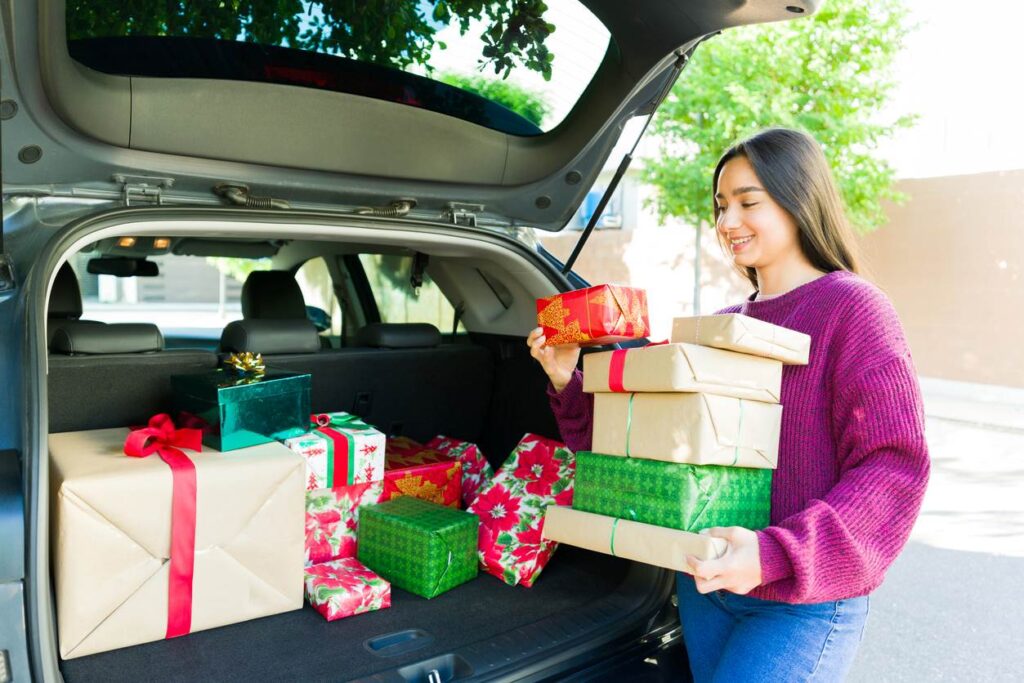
column 853, row 462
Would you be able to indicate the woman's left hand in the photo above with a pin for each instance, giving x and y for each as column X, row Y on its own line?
column 738, row 570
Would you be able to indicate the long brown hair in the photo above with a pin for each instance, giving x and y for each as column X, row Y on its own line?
column 794, row 172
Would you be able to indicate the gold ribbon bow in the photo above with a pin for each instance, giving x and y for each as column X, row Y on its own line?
column 247, row 363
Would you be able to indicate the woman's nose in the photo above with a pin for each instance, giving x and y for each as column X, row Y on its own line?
column 727, row 220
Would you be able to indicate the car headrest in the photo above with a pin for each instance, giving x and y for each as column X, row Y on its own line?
column 270, row 336
column 272, row 295
column 65, row 297
column 92, row 338
column 399, row 335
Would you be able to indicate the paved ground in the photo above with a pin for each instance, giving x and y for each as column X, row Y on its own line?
column 950, row 609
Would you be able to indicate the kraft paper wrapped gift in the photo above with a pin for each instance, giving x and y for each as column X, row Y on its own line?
column 738, row 332
column 683, row 367
column 645, row 543
column 699, row 429
column 111, row 536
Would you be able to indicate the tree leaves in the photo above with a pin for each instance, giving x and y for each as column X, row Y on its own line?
column 394, row 33
column 829, row 74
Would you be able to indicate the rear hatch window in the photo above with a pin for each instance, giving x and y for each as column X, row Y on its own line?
column 513, row 67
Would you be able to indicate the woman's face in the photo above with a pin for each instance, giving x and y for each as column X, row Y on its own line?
column 751, row 225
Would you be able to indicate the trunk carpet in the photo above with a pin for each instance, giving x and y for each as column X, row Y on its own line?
column 301, row 645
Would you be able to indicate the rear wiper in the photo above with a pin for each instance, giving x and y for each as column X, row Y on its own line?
column 624, row 164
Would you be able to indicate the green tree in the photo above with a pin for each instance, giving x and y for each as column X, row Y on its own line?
column 829, row 75
column 238, row 268
column 395, row 33
column 511, row 96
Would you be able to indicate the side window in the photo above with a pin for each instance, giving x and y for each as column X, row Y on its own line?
column 389, row 277
column 318, row 290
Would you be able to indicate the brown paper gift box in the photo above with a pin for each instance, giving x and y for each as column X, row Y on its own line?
column 645, row 543
column 687, row 367
column 744, row 334
column 111, row 517
column 699, row 429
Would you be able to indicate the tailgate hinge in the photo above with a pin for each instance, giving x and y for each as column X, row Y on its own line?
column 463, row 214
column 141, row 188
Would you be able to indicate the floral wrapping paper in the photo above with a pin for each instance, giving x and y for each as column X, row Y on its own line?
column 511, row 507
column 344, row 588
column 420, row 547
column 476, row 471
column 332, row 517
column 593, row 316
column 341, row 450
column 411, row 469
column 674, row 495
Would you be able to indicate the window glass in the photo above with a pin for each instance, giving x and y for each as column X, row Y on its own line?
column 318, row 291
column 518, row 69
column 192, row 297
column 389, row 277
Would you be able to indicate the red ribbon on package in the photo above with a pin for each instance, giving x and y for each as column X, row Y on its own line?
column 617, row 366
column 161, row 437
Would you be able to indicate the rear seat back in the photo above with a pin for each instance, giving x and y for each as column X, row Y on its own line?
column 104, row 375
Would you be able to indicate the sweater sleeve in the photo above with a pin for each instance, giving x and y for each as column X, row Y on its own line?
column 574, row 412
column 841, row 545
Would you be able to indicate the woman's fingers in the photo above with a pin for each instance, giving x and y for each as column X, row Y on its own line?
column 534, row 334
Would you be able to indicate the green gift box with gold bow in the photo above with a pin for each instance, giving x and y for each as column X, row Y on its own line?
column 678, row 496
column 237, row 409
column 420, row 547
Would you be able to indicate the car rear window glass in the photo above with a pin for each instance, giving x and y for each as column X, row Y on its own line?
column 511, row 66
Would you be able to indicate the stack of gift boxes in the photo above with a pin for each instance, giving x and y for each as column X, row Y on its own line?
column 685, row 437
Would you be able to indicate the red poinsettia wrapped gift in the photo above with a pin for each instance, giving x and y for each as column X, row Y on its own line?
column 511, row 507
column 597, row 315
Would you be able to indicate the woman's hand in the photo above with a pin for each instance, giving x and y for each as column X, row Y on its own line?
column 738, row 570
column 558, row 361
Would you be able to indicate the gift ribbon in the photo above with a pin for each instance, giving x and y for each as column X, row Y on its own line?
column 617, row 366
column 629, row 422
column 331, row 426
column 611, row 543
column 161, row 437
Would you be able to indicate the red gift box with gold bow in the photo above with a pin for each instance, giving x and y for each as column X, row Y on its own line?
column 603, row 314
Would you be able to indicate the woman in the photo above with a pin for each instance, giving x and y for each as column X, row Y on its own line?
column 789, row 602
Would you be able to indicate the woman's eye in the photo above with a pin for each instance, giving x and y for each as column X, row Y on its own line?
column 747, row 205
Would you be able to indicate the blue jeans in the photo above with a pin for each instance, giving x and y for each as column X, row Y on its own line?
column 733, row 637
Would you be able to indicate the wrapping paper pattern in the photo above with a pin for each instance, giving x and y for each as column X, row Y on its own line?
column 411, row 469
column 686, row 497
column 538, row 473
column 327, row 466
column 344, row 588
column 332, row 517
column 596, row 315
column 420, row 547
column 476, row 471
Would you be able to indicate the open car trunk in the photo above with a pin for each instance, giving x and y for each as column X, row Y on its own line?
column 484, row 388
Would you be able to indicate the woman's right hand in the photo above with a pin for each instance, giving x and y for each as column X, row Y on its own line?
column 558, row 361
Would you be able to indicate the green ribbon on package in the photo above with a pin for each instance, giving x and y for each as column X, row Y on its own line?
column 338, row 428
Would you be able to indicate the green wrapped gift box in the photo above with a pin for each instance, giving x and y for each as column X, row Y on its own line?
column 421, row 547
column 674, row 495
column 236, row 411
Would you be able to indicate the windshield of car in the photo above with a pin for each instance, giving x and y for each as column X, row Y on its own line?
column 514, row 67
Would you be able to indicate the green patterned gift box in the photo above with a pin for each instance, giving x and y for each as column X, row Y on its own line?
column 679, row 496
column 420, row 547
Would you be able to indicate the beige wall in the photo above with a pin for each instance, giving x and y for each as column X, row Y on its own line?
column 951, row 260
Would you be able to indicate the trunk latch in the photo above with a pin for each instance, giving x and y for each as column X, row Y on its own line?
column 142, row 189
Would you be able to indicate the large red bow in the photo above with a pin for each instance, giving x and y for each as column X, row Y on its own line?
column 161, row 437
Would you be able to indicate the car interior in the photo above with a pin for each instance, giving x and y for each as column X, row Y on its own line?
column 405, row 378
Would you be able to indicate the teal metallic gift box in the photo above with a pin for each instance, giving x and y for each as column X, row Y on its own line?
column 241, row 410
